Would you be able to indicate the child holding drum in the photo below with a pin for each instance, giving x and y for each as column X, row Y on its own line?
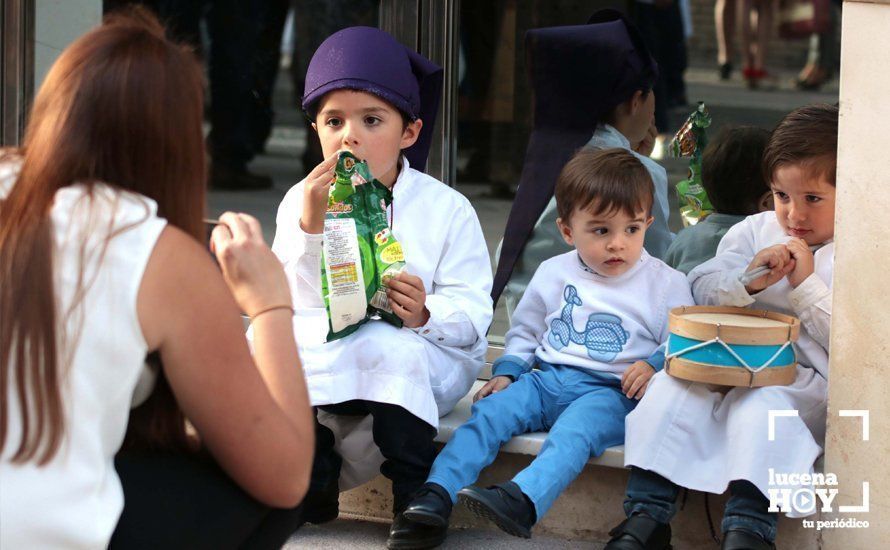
column 584, row 343
column 689, row 434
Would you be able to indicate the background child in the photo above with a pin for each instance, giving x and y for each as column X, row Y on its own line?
column 732, row 175
column 609, row 104
column 584, row 343
column 368, row 94
column 686, row 434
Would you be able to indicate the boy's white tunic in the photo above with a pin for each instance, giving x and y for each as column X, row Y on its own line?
column 426, row 370
column 702, row 439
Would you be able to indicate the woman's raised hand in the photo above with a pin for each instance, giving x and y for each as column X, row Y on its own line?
column 253, row 273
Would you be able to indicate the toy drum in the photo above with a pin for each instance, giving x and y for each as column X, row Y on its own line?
column 732, row 346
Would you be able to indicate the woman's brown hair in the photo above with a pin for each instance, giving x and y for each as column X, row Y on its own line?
column 122, row 106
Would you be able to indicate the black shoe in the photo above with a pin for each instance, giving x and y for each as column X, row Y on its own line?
column 322, row 506
column 411, row 535
column 225, row 178
column 430, row 506
column 725, row 71
column 640, row 532
column 739, row 539
column 505, row 504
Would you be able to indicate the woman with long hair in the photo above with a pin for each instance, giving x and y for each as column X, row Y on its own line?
column 101, row 268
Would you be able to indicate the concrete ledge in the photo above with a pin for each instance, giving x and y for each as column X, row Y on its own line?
column 587, row 510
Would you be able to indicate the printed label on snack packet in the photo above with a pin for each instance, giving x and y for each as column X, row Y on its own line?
column 345, row 280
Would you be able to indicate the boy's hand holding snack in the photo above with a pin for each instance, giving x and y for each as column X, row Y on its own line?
column 315, row 195
column 804, row 262
column 635, row 379
column 408, row 299
column 494, row 385
column 778, row 258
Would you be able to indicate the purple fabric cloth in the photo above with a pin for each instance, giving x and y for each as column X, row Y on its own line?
column 578, row 74
column 370, row 60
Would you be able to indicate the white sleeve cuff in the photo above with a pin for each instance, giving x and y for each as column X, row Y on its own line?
column 447, row 325
column 312, row 242
column 808, row 293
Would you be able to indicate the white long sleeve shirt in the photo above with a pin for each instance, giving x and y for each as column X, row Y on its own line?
column 425, row 370
column 717, row 282
column 571, row 315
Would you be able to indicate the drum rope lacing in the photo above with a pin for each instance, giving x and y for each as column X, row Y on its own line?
column 718, row 340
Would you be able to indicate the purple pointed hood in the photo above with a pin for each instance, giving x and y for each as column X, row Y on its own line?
column 370, row 60
column 578, row 74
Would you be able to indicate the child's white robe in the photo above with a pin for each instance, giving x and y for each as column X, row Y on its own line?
column 427, row 370
column 702, row 439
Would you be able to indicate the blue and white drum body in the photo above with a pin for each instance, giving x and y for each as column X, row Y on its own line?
column 732, row 346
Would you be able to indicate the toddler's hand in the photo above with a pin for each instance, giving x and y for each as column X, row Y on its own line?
column 804, row 263
column 780, row 262
column 494, row 385
column 408, row 299
column 315, row 195
column 635, row 379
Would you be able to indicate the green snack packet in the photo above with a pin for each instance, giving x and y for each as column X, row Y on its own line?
column 389, row 259
column 690, row 141
column 359, row 254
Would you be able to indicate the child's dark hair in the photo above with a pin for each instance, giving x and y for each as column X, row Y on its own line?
column 732, row 172
column 610, row 116
column 603, row 181
column 806, row 137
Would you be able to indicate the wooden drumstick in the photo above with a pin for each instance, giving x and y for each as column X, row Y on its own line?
column 747, row 277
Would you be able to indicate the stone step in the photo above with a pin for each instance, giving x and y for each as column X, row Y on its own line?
column 586, row 511
column 589, row 508
column 353, row 534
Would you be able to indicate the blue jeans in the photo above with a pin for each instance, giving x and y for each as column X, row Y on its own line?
column 656, row 496
column 584, row 412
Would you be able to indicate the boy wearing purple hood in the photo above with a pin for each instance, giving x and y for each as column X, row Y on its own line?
column 369, row 95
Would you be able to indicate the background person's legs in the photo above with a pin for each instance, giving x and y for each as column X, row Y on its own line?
column 724, row 25
column 233, row 26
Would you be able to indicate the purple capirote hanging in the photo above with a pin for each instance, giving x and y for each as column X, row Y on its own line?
column 370, row 60
column 578, row 74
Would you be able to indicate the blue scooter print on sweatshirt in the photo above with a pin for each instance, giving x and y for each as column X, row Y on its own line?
column 603, row 336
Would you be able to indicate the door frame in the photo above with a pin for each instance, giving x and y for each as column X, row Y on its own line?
column 16, row 68
column 431, row 28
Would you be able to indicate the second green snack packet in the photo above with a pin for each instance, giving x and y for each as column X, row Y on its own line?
column 690, row 141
